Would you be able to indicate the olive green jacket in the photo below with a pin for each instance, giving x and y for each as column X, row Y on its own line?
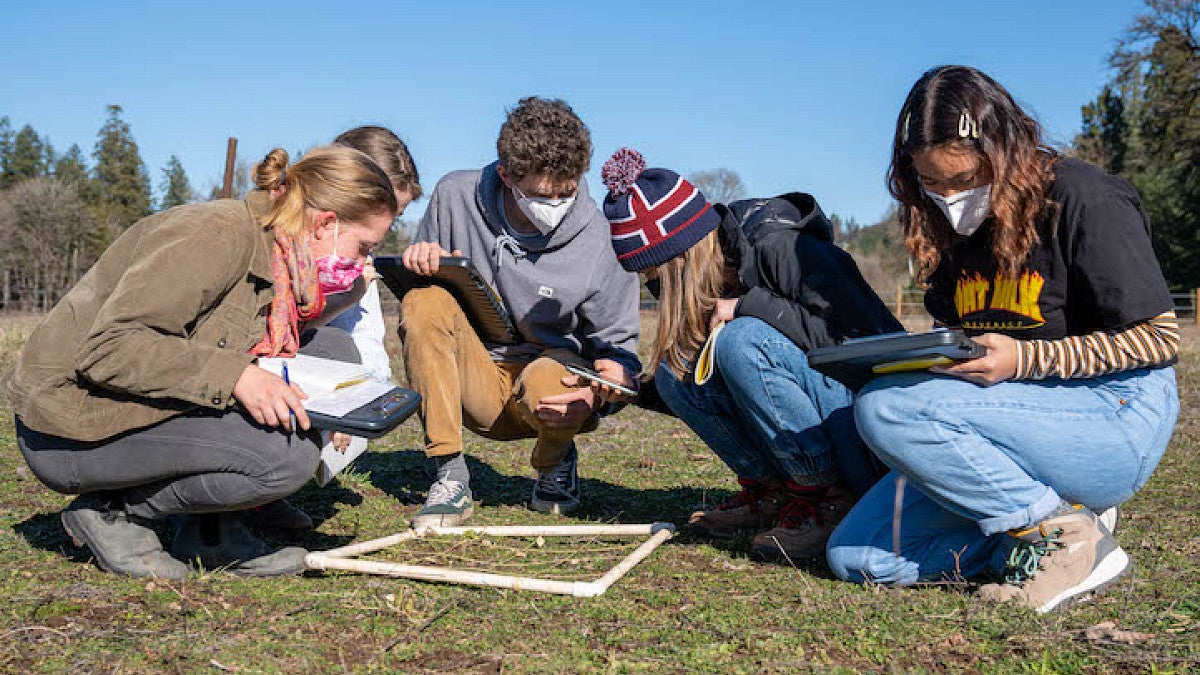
column 160, row 325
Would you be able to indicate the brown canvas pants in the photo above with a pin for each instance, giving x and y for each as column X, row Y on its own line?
column 460, row 385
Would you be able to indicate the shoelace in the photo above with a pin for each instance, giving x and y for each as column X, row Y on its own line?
column 797, row 512
column 557, row 480
column 743, row 498
column 1026, row 558
column 443, row 491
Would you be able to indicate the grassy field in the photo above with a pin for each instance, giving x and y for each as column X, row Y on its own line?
column 693, row 607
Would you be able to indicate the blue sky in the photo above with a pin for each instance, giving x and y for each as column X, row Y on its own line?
column 798, row 95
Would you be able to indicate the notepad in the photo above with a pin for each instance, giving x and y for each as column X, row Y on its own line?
column 317, row 376
column 706, row 363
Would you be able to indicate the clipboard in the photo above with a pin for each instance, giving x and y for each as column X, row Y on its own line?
column 855, row 361
column 481, row 303
column 373, row 419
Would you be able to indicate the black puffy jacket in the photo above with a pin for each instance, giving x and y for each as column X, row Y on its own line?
column 794, row 277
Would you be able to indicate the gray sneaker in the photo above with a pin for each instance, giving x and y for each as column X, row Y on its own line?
column 447, row 505
column 120, row 545
column 557, row 490
column 221, row 541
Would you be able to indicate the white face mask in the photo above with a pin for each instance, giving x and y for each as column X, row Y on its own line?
column 543, row 212
column 965, row 210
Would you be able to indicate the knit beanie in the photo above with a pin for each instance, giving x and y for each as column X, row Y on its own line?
column 654, row 214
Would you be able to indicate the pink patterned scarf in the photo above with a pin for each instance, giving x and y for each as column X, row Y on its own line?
column 298, row 296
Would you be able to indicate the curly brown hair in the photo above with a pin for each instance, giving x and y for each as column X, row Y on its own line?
column 544, row 137
column 1009, row 142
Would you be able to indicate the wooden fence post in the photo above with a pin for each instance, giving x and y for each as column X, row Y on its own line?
column 230, row 157
column 899, row 302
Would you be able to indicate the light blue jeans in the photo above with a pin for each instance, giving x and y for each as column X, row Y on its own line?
column 979, row 461
column 766, row 413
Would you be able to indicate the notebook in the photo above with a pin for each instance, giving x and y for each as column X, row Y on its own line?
column 481, row 303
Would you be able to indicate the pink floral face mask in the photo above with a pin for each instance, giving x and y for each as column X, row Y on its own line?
column 335, row 272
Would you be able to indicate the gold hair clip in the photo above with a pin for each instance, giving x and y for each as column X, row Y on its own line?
column 904, row 129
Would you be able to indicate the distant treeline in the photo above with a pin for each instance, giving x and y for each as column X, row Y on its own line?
column 58, row 213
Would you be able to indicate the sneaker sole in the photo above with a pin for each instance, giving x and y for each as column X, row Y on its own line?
column 553, row 508
column 1114, row 566
column 442, row 519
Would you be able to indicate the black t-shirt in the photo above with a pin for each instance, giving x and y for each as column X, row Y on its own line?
column 1094, row 268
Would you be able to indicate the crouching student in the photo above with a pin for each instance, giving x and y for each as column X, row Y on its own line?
column 140, row 393
column 770, row 269
column 530, row 228
column 351, row 295
column 1009, row 457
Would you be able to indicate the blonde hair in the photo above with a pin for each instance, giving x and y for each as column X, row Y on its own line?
column 389, row 152
column 328, row 178
column 690, row 285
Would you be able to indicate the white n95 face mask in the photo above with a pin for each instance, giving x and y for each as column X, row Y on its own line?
column 965, row 210
column 545, row 214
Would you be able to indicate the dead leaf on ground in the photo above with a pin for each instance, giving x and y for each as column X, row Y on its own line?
column 1108, row 631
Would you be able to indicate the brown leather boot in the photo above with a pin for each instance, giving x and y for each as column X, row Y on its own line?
column 806, row 519
column 755, row 507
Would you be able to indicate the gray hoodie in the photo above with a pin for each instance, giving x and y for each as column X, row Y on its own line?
column 564, row 289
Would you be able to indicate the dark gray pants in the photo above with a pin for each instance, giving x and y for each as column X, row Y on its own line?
column 201, row 462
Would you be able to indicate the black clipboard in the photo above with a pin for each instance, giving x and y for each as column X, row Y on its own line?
column 482, row 305
column 855, row 361
column 373, row 419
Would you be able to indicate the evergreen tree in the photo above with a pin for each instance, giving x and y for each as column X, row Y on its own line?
column 71, row 167
column 27, row 159
column 6, row 142
column 120, row 175
column 1105, row 137
column 1145, row 126
column 175, row 186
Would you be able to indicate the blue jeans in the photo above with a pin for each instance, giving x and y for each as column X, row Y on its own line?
column 766, row 413
column 979, row 461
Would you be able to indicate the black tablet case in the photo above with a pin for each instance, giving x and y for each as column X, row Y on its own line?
column 479, row 300
column 851, row 361
column 375, row 418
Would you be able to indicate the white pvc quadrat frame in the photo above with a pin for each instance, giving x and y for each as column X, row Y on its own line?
column 344, row 558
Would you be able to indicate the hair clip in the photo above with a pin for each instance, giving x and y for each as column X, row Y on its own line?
column 967, row 126
column 904, row 128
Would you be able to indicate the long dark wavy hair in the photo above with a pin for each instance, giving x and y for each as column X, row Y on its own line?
column 959, row 105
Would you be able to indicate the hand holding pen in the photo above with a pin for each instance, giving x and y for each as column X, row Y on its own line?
column 270, row 400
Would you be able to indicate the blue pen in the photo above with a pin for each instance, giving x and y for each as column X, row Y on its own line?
column 291, row 413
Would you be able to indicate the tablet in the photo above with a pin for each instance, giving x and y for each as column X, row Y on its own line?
column 373, row 419
column 479, row 301
column 856, row 361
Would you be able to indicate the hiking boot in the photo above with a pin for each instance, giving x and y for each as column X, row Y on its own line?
column 805, row 523
column 1062, row 560
column 221, row 541
column 557, row 490
column 120, row 544
column 755, row 507
column 278, row 513
column 447, row 505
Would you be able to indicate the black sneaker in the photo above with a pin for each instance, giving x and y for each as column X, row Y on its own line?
column 557, row 490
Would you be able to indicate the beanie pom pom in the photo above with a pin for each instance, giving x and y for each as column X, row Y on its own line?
column 622, row 170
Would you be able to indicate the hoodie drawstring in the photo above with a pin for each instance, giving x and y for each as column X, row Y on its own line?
column 507, row 242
